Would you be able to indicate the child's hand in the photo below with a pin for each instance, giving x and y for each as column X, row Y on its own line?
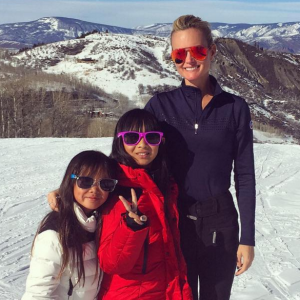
column 52, row 199
column 132, row 208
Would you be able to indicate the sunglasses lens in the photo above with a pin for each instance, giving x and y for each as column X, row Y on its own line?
column 178, row 55
column 131, row 138
column 153, row 138
column 85, row 182
column 199, row 52
column 108, row 184
column 178, row 61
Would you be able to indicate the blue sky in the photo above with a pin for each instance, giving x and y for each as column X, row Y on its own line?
column 132, row 13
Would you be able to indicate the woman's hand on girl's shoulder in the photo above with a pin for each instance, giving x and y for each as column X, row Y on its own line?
column 52, row 199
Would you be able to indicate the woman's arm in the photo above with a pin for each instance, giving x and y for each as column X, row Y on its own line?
column 244, row 173
column 45, row 266
column 52, row 199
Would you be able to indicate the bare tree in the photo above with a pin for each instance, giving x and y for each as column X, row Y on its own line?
column 64, row 121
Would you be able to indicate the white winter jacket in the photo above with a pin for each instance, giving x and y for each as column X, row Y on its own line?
column 45, row 264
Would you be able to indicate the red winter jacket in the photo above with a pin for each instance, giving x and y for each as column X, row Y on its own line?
column 122, row 250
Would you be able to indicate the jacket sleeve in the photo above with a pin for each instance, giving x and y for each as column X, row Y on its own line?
column 45, row 265
column 120, row 246
column 244, row 173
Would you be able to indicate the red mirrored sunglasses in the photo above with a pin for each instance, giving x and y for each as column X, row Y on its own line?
column 197, row 52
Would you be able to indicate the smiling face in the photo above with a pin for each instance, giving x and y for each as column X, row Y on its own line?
column 191, row 70
column 92, row 198
column 142, row 153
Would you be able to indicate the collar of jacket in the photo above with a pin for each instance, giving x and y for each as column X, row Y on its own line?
column 138, row 177
column 87, row 223
column 189, row 90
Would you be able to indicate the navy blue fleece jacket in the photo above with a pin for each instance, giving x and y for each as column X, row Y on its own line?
column 205, row 144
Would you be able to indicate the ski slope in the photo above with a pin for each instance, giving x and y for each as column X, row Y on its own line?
column 30, row 168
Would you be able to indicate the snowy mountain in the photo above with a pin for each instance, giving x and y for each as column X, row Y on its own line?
column 278, row 36
column 30, row 168
column 118, row 63
column 158, row 29
column 49, row 30
column 138, row 66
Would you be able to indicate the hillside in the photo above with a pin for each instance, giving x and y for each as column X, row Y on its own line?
column 128, row 64
column 269, row 81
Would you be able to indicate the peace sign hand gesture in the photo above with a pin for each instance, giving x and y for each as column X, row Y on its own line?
column 132, row 209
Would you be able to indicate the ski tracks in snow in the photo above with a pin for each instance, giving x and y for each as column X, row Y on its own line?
column 275, row 273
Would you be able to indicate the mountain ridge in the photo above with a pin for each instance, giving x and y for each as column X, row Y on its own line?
column 279, row 36
column 49, row 30
column 272, row 36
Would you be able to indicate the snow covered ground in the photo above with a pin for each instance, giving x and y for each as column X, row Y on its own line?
column 30, row 168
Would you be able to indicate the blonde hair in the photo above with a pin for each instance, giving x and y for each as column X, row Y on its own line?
column 190, row 21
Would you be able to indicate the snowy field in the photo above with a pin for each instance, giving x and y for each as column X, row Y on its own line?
column 30, row 168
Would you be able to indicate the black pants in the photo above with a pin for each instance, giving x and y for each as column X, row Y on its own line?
column 210, row 238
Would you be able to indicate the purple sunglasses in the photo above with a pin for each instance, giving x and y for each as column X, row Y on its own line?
column 131, row 138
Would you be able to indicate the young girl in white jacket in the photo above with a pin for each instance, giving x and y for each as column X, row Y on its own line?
column 64, row 258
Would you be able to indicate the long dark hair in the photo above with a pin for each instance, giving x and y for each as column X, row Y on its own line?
column 137, row 120
column 71, row 234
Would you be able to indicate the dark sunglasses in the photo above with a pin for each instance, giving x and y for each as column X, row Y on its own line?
column 197, row 52
column 106, row 184
column 131, row 138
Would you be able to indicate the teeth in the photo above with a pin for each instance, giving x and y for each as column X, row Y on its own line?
column 142, row 154
column 191, row 69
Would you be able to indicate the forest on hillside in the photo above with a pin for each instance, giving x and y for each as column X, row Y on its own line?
column 37, row 104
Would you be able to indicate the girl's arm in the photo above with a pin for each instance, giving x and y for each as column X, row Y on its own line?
column 120, row 246
column 45, row 265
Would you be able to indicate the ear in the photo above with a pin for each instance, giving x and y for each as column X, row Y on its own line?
column 213, row 51
column 163, row 140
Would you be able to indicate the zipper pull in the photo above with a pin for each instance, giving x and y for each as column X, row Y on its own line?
column 196, row 128
column 70, row 292
column 214, row 238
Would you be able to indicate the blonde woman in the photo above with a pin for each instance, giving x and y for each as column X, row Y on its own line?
column 208, row 131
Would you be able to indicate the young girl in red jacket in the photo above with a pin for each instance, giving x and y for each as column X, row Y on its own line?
column 140, row 245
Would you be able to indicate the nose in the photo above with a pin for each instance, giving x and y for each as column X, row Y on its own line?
column 189, row 58
column 95, row 187
column 142, row 143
